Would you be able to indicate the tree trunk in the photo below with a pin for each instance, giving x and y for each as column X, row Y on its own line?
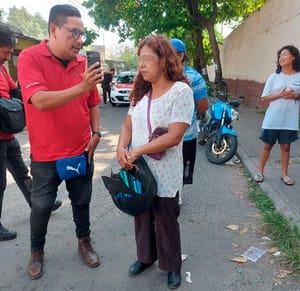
column 215, row 51
column 208, row 23
column 200, row 63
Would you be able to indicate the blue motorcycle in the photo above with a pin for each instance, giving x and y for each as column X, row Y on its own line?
column 215, row 128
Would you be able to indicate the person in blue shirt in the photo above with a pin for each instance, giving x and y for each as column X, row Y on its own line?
column 201, row 104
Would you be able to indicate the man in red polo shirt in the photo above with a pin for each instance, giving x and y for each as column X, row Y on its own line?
column 10, row 152
column 62, row 116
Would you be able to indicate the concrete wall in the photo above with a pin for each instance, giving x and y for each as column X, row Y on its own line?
column 248, row 54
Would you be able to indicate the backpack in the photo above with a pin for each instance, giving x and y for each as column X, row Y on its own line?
column 132, row 191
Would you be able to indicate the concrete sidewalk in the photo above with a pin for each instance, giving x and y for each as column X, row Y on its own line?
column 286, row 198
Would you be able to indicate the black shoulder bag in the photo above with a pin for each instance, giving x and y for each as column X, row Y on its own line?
column 12, row 116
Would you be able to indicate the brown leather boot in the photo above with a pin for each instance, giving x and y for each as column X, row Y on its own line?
column 87, row 252
column 35, row 267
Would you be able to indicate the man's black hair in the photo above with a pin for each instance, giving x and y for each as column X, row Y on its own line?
column 7, row 36
column 59, row 13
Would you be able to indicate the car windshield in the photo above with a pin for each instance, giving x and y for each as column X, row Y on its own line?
column 126, row 79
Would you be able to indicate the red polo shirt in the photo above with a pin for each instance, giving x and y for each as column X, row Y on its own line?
column 60, row 132
column 6, row 84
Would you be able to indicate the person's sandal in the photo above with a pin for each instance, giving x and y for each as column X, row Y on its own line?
column 287, row 181
column 259, row 178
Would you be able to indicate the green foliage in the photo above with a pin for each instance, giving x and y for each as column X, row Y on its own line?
column 237, row 10
column 91, row 35
column 135, row 19
column 30, row 25
column 128, row 56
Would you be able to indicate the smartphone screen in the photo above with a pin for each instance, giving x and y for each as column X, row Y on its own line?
column 92, row 57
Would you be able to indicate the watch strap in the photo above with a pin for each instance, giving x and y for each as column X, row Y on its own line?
column 97, row 133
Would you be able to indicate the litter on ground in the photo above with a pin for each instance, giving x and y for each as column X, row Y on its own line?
column 188, row 277
column 253, row 254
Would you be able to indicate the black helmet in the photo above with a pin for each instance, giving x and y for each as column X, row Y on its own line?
column 132, row 191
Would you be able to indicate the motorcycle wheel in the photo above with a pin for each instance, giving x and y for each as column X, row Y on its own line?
column 222, row 154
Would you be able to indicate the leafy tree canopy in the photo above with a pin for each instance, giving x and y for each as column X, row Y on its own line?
column 135, row 19
column 30, row 25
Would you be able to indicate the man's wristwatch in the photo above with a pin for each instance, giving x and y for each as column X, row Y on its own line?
column 97, row 133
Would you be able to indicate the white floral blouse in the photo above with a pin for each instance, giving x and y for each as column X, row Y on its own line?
column 176, row 105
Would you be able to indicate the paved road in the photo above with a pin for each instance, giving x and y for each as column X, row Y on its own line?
column 216, row 200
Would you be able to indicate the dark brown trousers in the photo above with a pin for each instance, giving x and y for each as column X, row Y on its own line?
column 157, row 234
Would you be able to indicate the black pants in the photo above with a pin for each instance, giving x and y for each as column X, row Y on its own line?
column 106, row 93
column 157, row 235
column 45, row 182
column 189, row 156
column 11, row 159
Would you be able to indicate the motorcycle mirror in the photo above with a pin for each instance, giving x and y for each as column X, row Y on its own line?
column 234, row 103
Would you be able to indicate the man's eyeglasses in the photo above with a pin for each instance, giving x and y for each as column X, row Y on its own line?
column 76, row 33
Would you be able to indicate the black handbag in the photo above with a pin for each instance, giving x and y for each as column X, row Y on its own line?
column 12, row 116
column 132, row 191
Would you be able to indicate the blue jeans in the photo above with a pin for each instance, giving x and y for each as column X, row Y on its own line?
column 11, row 159
column 45, row 182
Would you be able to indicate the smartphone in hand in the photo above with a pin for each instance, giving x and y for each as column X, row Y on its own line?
column 92, row 57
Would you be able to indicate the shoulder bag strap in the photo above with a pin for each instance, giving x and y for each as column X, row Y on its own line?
column 148, row 112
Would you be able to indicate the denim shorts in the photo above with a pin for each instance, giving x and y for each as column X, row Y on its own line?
column 270, row 136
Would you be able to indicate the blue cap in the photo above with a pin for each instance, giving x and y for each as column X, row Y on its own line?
column 178, row 45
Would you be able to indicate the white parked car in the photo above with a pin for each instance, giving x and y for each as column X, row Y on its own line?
column 121, row 88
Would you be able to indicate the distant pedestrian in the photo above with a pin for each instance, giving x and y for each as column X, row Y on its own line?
column 62, row 112
column 106, row 85
column 10, row 152
column 281, row 121
column 201, row 104
column 161, row 92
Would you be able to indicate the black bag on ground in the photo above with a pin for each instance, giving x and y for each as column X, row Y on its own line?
column 132, row 191
column 12, row 116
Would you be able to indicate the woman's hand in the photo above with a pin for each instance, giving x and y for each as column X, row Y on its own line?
column 124, row 159
column 289, row 93
column 133, row 155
